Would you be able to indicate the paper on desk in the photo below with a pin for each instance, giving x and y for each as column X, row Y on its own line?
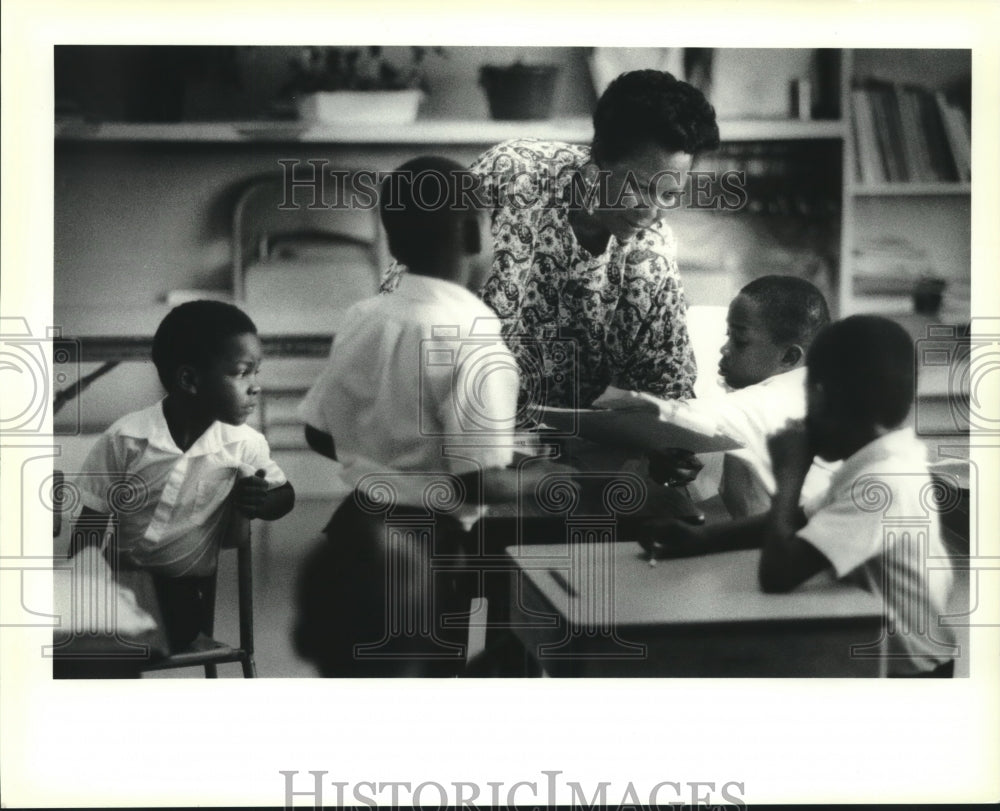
column 640, row 427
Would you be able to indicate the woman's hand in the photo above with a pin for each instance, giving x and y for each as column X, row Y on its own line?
column 614, row 398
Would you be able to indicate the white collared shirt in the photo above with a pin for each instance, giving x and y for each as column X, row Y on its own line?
column 753, row 415
column 171, row 506
column 417, row 381
column 750, row 415
column 878, row 526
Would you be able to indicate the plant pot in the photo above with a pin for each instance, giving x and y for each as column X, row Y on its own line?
column 928, row 295
column 360, row 106
column 519, row 92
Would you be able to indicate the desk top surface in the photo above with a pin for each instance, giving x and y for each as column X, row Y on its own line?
column 721, row 588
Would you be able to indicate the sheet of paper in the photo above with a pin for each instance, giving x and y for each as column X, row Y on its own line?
column 640, row 428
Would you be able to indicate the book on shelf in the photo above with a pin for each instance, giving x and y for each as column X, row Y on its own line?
column 958, row 135
column 908, row 133
column 869, row 168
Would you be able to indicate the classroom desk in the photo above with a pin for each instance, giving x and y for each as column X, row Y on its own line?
column 110, row 655
column 117, row 348
column 602, row 610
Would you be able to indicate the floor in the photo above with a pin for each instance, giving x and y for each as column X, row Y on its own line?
column 278, row 550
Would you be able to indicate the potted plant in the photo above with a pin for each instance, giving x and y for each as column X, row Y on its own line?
column 358, row 85
column 519, row 92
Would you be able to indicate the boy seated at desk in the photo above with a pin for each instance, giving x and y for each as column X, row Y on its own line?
column 860, row 384
column 171, row 474
column 419, row 386
column 769, row 328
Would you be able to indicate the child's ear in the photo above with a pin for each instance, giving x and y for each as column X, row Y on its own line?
column 187, row 379
column 792, row 356
column 472, row 242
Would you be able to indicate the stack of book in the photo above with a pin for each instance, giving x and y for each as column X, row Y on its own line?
column 909, row 134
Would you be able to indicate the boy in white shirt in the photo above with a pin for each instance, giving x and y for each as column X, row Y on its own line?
column 419, row 387
column 171, row 474
column 873, row 525
column 770, row 325
column 424, row 367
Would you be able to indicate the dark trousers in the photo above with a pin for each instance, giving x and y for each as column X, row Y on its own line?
column 188, row 607
column 373, row 595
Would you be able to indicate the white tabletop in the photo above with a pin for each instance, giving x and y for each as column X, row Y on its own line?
column 719, row 588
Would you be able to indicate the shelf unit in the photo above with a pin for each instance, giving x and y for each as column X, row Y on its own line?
column 427, row 131
column 938, row 213
column 913, row 190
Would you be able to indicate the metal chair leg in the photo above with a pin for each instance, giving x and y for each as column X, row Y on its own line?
column 211, row 672
column 249, row 667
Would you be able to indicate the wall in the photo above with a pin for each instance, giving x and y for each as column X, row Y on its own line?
column 232, row 83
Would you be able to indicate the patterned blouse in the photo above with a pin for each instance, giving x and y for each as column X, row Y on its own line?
column 577, row 322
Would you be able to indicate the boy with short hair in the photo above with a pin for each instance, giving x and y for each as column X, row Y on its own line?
column 188, row 461
column 770, row 325
column 419, row 382
column 860, row 382
column 397, row 387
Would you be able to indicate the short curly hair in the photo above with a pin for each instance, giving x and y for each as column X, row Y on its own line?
column 793, row 309
column 652, row 106
column 423, row 204
column 867, row 362
column 193, row 333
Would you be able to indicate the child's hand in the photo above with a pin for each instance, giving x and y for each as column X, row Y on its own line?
column 669, row 538
column 674, row 467
column 790, row 450
column 250, row 493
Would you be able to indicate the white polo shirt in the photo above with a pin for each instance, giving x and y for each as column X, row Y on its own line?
column 172, row 506
column 878, row 526
column 417, row 381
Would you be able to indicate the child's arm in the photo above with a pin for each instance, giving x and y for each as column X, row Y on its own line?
column 321, row 442
column 253, row 499
column 671, row 538
column 506, row 484
column 786, row 560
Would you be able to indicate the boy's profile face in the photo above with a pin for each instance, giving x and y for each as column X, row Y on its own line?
column 228, row 387
column 749, row 355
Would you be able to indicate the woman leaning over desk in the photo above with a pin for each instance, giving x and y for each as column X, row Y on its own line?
column 581, row 252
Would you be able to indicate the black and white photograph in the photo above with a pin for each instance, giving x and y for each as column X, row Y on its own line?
column 395, row 383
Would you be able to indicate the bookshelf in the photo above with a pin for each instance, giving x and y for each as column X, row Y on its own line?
column 808, row 210
column 907, row 181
